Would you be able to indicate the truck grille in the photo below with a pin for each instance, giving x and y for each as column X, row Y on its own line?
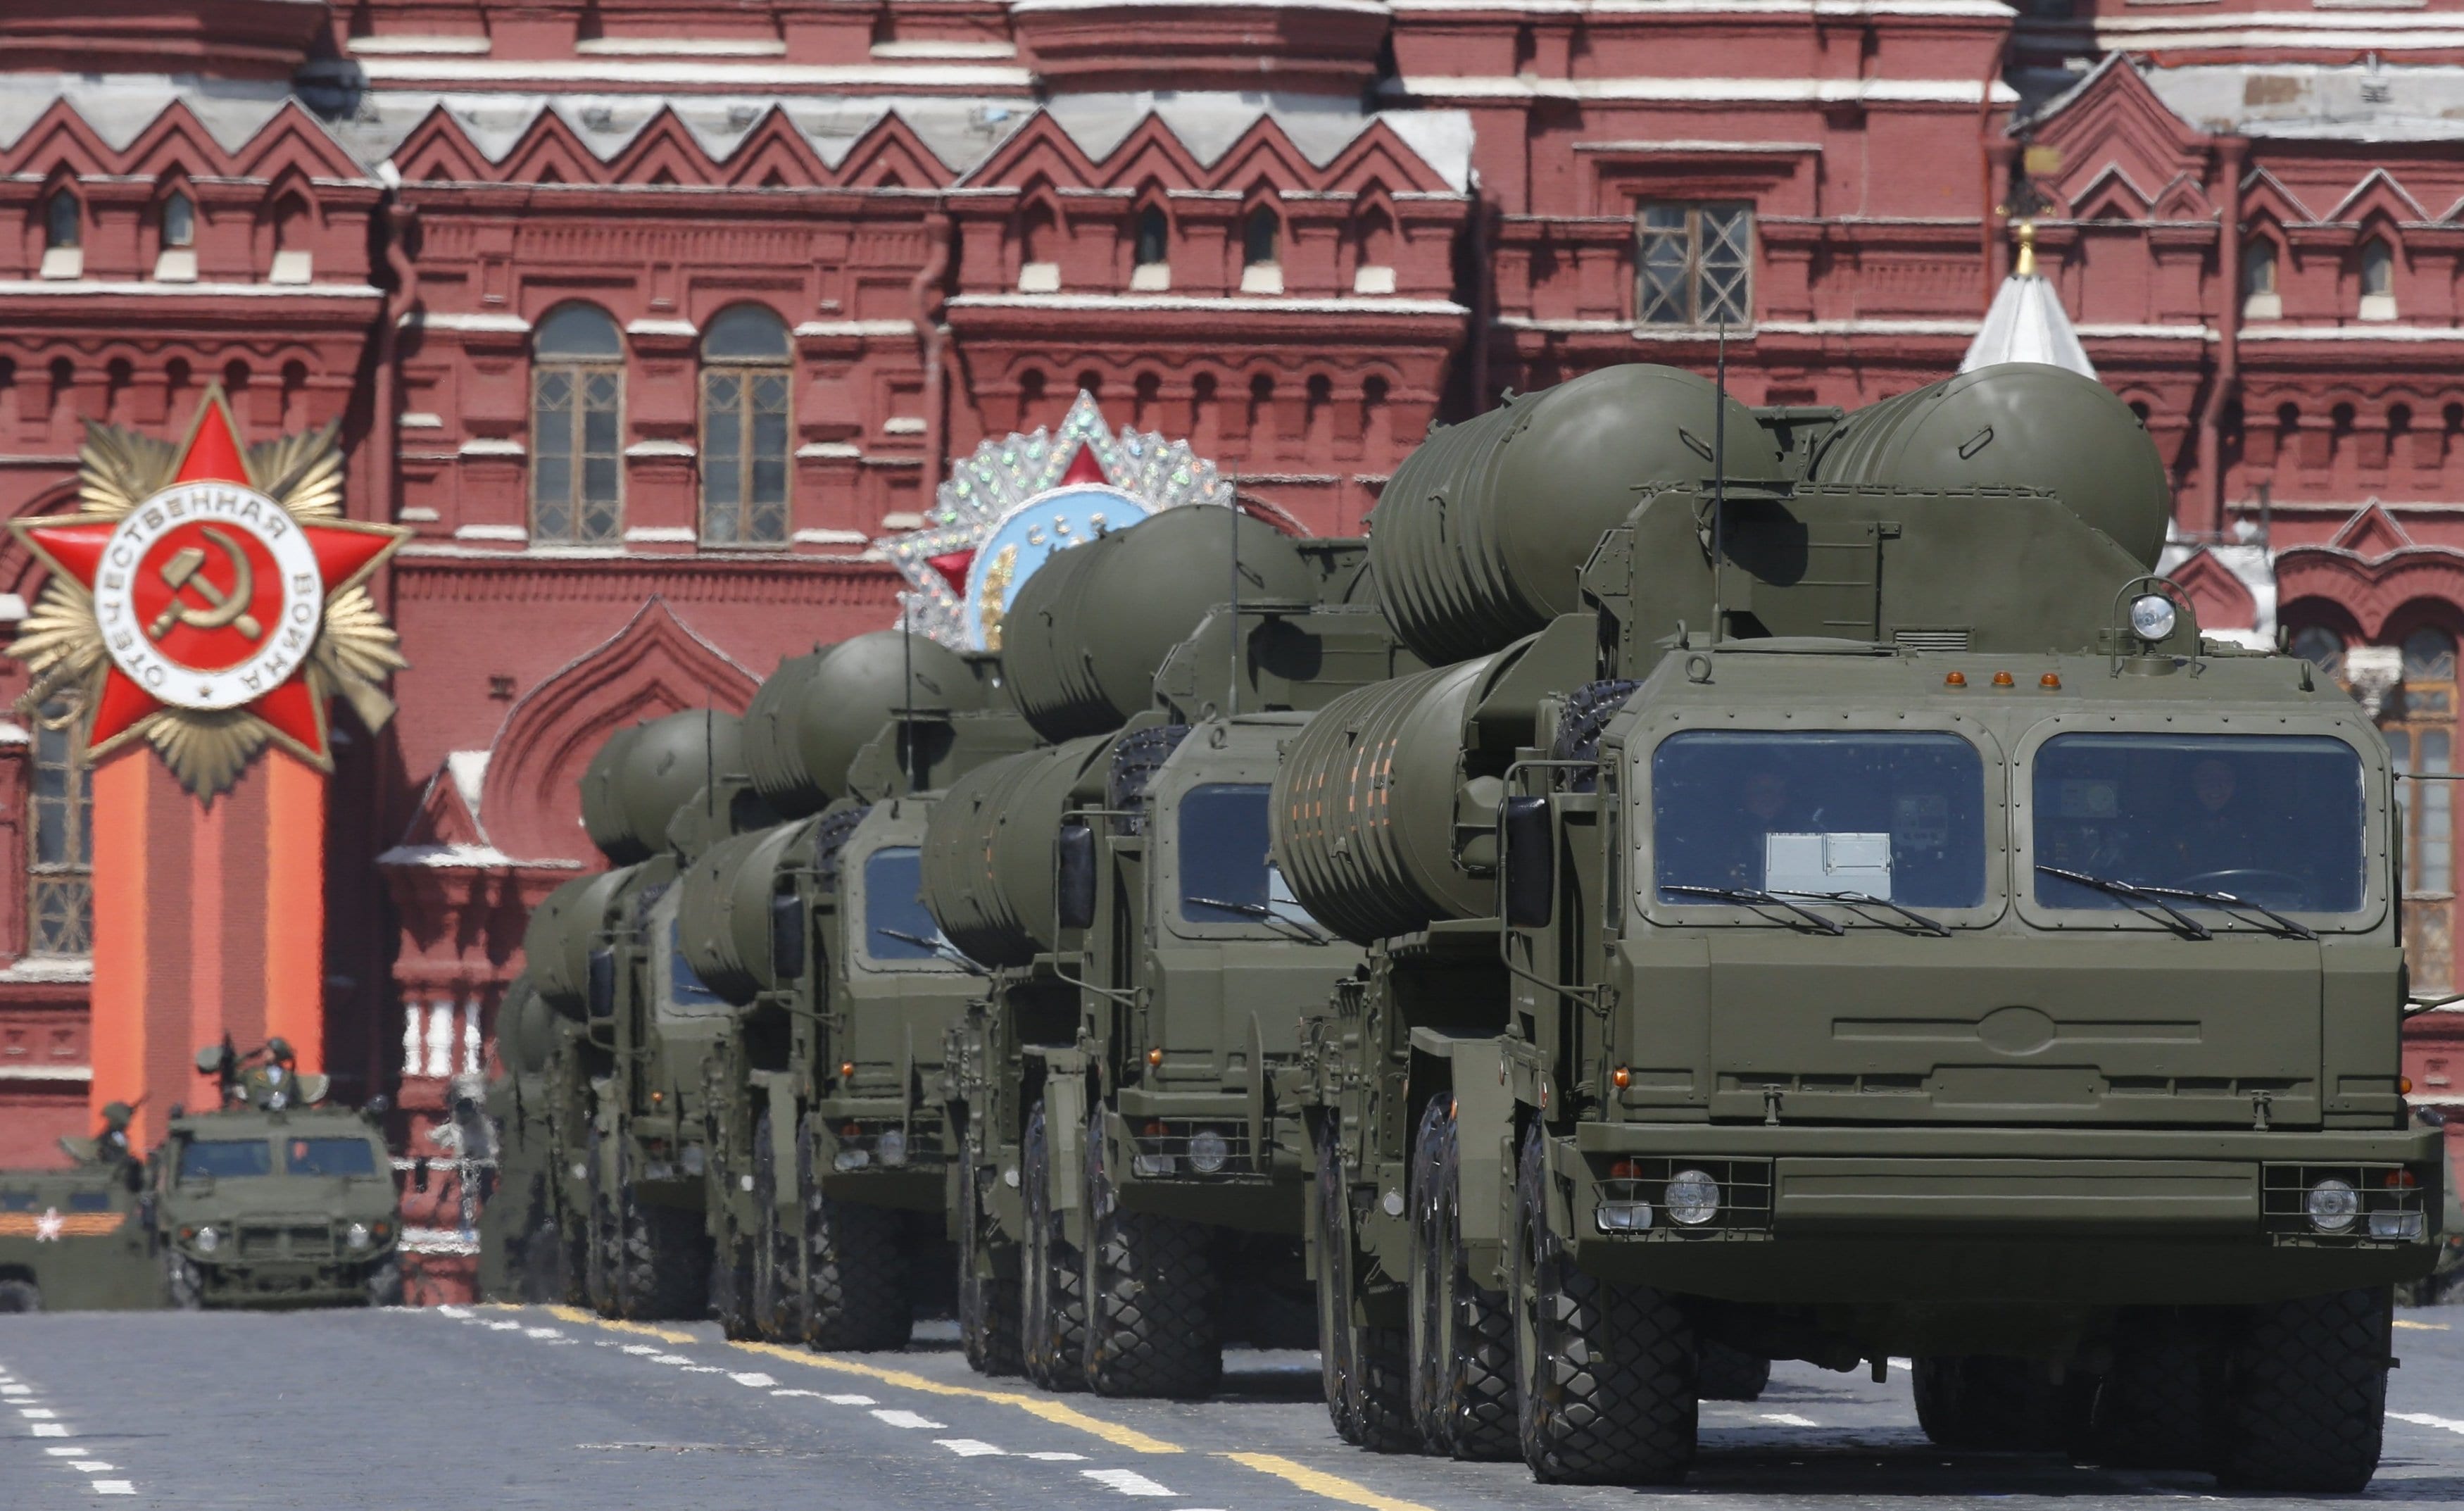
column 292, row 1242
column 1636, row 1185
column 1165, row 1147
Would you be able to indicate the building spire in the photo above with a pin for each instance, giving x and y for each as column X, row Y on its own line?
column 2027, row 322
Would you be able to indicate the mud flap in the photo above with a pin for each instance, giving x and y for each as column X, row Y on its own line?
column 1484, row 1122
column 1065, row 1127
column 785, row 1120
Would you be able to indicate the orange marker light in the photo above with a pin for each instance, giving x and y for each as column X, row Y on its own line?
column 1626, row 1170
column 2004, row 680
column 846, row 1070
column 1622, row 1077
column 1154, row 1056
column 2400, row 1180
column 1154, row 1130
column 2404, row 1085
column 1954, row 679
column 2050, row 682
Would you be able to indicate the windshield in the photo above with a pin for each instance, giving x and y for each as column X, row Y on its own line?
column 685, row 988
column 329, row 1156
column 225, row 1158
column 2274, row 820
column 1226, row 875
column 897, row 923
column 1898, row 817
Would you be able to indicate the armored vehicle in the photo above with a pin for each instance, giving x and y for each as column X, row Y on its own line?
column 1844, row 909
column 77, row 1240
column 273, row 1200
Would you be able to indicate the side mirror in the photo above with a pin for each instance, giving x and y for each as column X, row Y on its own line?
column 1075, row 863
column 600, row 992
column 1530, row 840
column 787, row 936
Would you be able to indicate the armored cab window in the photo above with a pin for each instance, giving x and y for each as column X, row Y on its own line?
column 224, row 1159
column 2275, row 820
column 1895, row 817
column 577, row 427
column 898, row 926
column 1695, row 264
column 1226, row 873
column 329, row 1156
column 60, row 895
column 685, row 993
column 746, row 384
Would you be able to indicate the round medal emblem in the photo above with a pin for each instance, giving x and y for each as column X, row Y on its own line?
column 208, row 596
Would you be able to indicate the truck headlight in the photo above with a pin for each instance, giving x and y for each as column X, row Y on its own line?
column 1622, row 1216
column 2403, row 1224
column 357, row 1236
column 852, row 1159
column 209, row 1240
column 1692, row 1198
column 2332, row 1206
column 1207, row 1151
column 2152, row 616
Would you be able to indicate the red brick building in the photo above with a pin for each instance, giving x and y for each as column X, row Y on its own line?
column 651, row 319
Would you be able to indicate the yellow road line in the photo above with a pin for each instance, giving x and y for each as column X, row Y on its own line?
column 1051, row 1410
column 1317, row 1481
column 581, row 1318
column 2422, row 1327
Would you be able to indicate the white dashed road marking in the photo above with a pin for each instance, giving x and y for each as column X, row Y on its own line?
column 967, row 1446
column 666, row 1358
column 1056, row 1457
column 644, row 1349
column 757, row 1382
column 1128, row 1481
column 114, row 1487
column 905, row 1420
column 2425, row 1419
column 41, row 1421
column 1789, row 1420
column 541, row 1332
column 849, row 1400
column 90, row 1466
column 37, row 1413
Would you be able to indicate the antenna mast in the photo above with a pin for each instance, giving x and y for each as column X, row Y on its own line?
column 1720, row 487
column 1232, row 687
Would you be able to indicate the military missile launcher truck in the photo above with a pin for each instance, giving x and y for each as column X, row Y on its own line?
column 827, row 1161
column 1843, row 908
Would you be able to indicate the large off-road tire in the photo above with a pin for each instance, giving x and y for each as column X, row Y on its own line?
column 541, row 1276
column 1606, row 1371
column 183, row 1289
column 1992, row 1403
column 857, row 1296
column 383, row 1284
column 1153, row 1299
column 20, row 1295
column 775, row 1309
column 599, row 1240
column 1052, row 1307
column 1723, row 1373
column 1367, row 1369
column 988, row 1300
column 660, row 1268
column 1462, row 1333
column 2305, row 1394
column 2155, row 1405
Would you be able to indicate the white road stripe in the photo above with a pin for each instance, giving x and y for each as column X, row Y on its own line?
column 1789, row 1420
column 50, row 1429
column 849, row 1400
column 541, row 1332
column 670, row 1359
column 967, row 1446
column 457, row 1313
column 907, row 1419
column 2425, row 1419
column 65, row 1452
column 639, row 1348
column 114, row 1487
column 37, row 1413
column 813, row 1394
column 90, row 1466
column 1056, row 1459
column 1128, row 1481
column 701, row 1368
column 504, row 1328
column 754, row 1380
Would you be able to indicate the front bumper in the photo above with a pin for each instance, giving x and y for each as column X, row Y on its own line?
column 277, row 1283
column 2072, row 1216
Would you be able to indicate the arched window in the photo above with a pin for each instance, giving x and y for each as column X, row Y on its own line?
column 60, row 855
column 577, row 422
column 175, row 262
column 1373, row 252
column 63, row 236
column 1150, row 251
column 2378, row 280
column 1262, row 252
column 745, row 383
column 2259, row 298
column 1039, row 250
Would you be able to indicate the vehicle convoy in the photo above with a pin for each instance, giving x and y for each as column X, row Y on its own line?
column 273, row 1200
column 1116, row 1082
column 1835, row 905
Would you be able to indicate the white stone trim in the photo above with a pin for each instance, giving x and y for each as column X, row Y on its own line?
column 1706, row 91
column 660, row 534
column 420, row 420
column 830, row 538
column 417, row 46
column 680, row 47
column 485, row 446
column 658, row 448
column 662, row 327
column 813, row 449
column 51, row 287
column 449, row 320
column 491, row 532
column 662, row 71
column 1190, row 302
column 856, row 327
column 45, row 1073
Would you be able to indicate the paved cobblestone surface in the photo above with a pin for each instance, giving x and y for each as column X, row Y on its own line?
column 486, row 1406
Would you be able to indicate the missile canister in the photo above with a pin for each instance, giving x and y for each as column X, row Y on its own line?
column 1082, row 640
column 2016, row 423
column 642, row 775
column 556, row 946
column 988, row 853
column 1476, row 540
column 724, row 918
column 809, row 718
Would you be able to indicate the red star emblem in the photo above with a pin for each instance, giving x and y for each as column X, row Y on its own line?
column 209, row 596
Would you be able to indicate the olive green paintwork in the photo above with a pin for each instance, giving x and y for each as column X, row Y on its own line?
column 283, row 1234
column 78, row 1239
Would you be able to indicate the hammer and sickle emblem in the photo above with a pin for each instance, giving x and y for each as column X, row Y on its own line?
column 221, row 608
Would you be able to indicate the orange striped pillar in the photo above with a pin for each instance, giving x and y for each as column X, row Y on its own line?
column 208, row 919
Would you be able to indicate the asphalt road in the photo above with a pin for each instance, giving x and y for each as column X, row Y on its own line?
column 500, row 1408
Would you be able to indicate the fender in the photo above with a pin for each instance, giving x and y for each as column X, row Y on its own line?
column 1064, row 1133
column 1485, row 1123
column 785, row 1121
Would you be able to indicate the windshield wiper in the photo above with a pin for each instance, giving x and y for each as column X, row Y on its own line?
column 2288, row 928
column 1262, row 911
column 1756, row 897
column 2132, row 891
column 942, row 949
column 1857, row 900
